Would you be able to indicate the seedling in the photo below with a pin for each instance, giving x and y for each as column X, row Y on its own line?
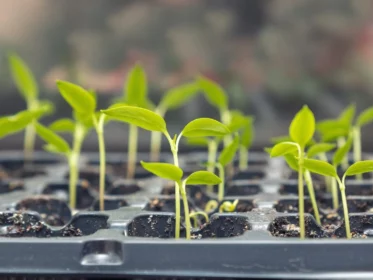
column 151, row 121
column 338, row 129
column 83, row 104
column 228, row 206
column 216, row 96
column 171, row 100
column 292, row 162
column 301, row 131
column 135, row 92
column 326, row 169
column 244, row 124
column 172, row 172
column 27, row 86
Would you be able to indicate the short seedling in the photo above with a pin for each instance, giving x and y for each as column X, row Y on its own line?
column 151, row 121
column 172, row 99
column 326, row 169
column 172, row 172
column 301, row 131
column 27, row 86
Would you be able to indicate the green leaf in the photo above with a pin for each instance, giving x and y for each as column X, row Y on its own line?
column 319, row 148
column 55, row 142
column 204, row 127
column 15, row 123
column 78, row 98
column 228, row 153
column 178, row 96
column 198, row 141
column 247, row 135
column 23, row 77
column 140, row 117
column 284, row 148
column 342, row 152
column 214, row 93
column 332, row 135
column 302, row 127
column 365, row 117
column 328, row 125
column 238, row 121
column 291, row 161
column 360, row 167
column 63, row 125
column 202, row 178
column 163, row 170
column 348, row 114
column 136, row 87
column 320, row 167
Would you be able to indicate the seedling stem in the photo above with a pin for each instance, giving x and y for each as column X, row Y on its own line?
column 311, row 191
column 341, row 141
column 221, row 185
column 101, row 145
column 194, row 217
column 301, row 193
column 79, row 134
column 132, row 151
column 356, row 134
column 186, row 209
column 30, row 133
column 212, row 149
column 342, row 188
column 244, row 158
column 334, row 190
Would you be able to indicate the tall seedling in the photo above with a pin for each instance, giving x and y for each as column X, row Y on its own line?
column 301, row 131
column 216, row 96
column 135, row 94
column 172, row 172
column 172, row 99
column 151, row 121
column 27, row 86
column 326, row 169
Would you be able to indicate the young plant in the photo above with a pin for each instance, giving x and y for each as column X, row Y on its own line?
column 151, row 121
column 171, row 100
column 301, row 131
column 216, row 96
column 83, row 104
column 27, row 86
column 245, row 125
column 326, row 169
column 135, row 94
column 172, row 172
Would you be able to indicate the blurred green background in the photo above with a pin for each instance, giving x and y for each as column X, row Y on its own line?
column 271, row 56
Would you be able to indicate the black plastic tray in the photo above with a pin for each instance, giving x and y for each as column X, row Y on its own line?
column 103, row 244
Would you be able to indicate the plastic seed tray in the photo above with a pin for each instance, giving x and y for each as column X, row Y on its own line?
column 134, row 237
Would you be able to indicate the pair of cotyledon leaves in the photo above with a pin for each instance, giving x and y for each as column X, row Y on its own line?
column 172, row 172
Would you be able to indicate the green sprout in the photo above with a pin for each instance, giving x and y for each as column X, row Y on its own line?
column 194, row 215
column 171, row 100
column 27, row 86
column 148, row 120
column 301, row 131
column 135, row 94
column 243, row 125
column 217, row 97
column 326, row 169
column 172, row 172
column 83, row 104
column 228, row 206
